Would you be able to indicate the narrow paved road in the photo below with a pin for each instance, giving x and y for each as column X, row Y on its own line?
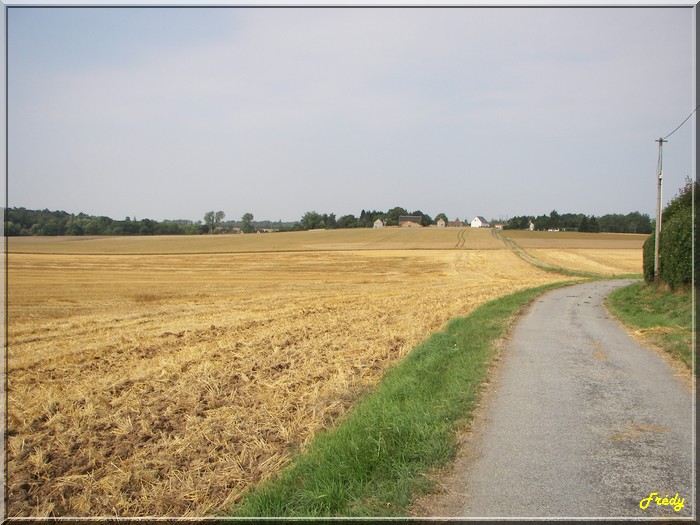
column 584, row 422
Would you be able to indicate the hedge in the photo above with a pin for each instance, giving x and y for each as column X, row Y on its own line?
column 676, row 251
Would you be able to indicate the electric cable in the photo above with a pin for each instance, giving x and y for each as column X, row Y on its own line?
column 686, row 119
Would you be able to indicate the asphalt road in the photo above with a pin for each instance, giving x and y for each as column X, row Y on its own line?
column 583, row 423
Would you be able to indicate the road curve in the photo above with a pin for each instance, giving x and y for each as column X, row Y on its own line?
column 583, row 422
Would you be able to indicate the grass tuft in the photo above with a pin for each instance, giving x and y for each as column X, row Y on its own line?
column 373, row 463
column 663, row 316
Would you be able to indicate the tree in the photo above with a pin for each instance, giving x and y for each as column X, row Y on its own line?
column 311, row 220
column 147, row 227
column 554, row 220
column 12, row 229
column 330, row 221
column 519, row 223
column 367, row 218
column 92, row 228
column 213, row 219
column 583, row 225
column 392, row 216
column 247, row 226
column 218, row 217
column 638, row 223
column 425, row 219
column 682, row 200
column 209, row 220
column 347, row 221
column 542, row 222
column 131, row 227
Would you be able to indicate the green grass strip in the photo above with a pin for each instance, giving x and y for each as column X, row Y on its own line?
column 665, row 316
column 373, row 463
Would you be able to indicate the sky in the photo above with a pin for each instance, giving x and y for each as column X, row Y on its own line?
column 167, row 113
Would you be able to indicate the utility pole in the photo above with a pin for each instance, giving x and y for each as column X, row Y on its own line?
column 658, row 212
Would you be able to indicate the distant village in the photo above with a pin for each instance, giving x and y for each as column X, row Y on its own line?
column 414, row 221
column 22, row 221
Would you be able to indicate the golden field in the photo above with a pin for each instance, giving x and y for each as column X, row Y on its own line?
column 601, row 253
column 163, row 376
column 575, row 240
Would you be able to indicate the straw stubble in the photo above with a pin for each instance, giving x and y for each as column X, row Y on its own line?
column 165, row 385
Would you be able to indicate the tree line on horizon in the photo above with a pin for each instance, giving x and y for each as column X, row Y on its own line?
column 23, row 222
column 634, row 222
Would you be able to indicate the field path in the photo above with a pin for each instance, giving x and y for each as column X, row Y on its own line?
column 580, row 421
column 517, row 250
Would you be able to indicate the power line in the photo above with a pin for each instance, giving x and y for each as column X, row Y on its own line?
column 686, row 119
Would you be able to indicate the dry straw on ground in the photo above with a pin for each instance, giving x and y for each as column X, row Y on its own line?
column 165, row 385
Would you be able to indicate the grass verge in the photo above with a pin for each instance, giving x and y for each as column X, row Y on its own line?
column 373, row 463
column 662, row 316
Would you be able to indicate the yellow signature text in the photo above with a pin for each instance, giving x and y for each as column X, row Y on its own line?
column 676, row 502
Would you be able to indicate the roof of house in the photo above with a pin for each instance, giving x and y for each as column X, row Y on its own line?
column 481, row 219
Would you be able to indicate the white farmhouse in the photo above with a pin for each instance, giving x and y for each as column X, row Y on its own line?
column 378, row 223
column 480, row 222
column 440, row 223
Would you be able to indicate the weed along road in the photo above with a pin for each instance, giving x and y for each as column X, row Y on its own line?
column 581, row 421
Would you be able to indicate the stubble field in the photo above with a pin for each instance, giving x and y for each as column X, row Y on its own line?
column 164, row 376
column 600, row 253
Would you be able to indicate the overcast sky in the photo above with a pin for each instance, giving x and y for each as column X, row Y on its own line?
column 165, row 113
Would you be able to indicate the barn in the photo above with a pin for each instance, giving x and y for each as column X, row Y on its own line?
column 410, row 221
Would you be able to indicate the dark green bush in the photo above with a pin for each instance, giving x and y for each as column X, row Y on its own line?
column 677, row 250
column 676, row 243
column 648, row 256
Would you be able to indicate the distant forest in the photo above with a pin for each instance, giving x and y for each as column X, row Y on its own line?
column 21, row 221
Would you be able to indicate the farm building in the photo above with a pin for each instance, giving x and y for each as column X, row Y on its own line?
column 480, row 222
column 378, row 223
column 455, row 224
column 440, row 223
column 410, row 221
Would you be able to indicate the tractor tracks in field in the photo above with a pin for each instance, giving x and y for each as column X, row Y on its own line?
column 517, row 250
column 461, row 239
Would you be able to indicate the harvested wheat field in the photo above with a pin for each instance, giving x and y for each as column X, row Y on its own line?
column 601, row 253
column 603, row 262
column 165, row 384
column 575, row 240
column 390, row 238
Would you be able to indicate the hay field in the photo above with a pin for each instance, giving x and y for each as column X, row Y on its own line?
column 166, row 384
